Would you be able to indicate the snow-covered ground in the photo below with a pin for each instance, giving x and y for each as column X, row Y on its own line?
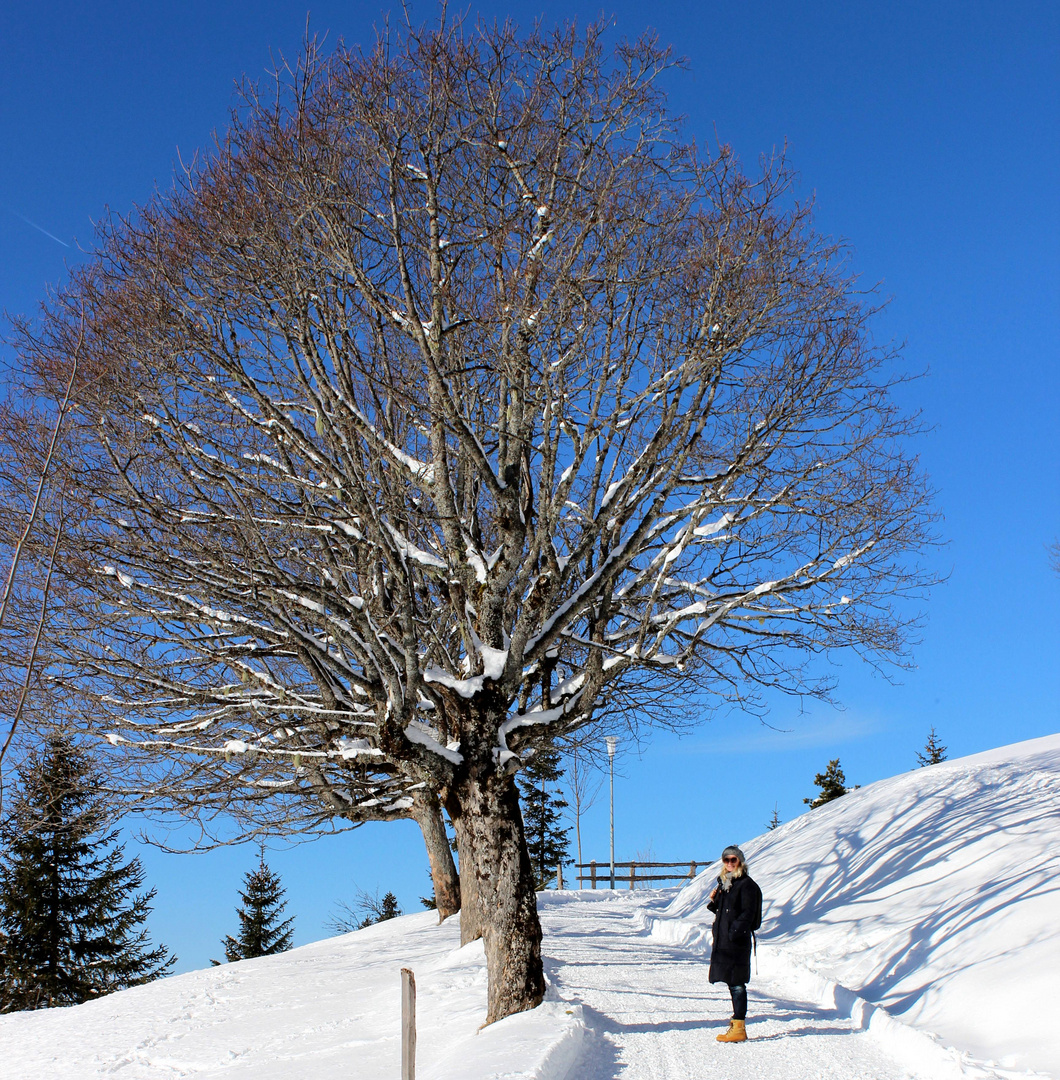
column 933, row 895
column 326, row 1010
column 651, row 1014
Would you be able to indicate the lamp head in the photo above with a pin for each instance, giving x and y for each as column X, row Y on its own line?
column 612, row 742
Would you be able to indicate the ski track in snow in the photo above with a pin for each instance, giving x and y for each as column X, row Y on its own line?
column 653, row 1015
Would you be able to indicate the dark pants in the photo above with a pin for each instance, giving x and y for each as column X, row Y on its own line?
column 738, row 993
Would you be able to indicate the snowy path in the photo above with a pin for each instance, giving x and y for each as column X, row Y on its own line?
column 654, row 1016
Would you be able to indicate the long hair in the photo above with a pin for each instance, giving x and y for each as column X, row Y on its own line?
column 727, row 877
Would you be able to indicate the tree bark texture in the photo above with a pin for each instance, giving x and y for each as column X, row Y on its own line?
column 428, row 814
column 495, row 869
column 470, row 912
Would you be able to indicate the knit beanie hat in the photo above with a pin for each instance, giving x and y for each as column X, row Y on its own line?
column 732, row 849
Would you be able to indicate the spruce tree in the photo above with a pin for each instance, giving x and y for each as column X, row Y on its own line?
column 260, row 931
column 774, row 822
column 388, row 908
column 832, row 783
column 71, row 909
column 543, row 804
column 933, row 751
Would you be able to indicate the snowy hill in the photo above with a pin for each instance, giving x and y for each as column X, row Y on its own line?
column 933, row 895
column 330, row 1009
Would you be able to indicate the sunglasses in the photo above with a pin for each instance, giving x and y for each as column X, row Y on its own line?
column 731, row 859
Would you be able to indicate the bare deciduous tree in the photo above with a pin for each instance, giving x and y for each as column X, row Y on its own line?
column 451, row 397
column 583, row 782
column 20, row 641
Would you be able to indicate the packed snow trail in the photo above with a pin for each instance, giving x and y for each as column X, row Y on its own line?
column 653, row 1015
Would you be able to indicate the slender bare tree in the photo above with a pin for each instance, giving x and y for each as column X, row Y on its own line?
column 451, row 397
column 21, row 635
column 583, row 784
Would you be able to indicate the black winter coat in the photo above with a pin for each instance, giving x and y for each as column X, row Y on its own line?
column 734, row 914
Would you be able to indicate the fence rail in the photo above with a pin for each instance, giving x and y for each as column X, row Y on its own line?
column 600, row 872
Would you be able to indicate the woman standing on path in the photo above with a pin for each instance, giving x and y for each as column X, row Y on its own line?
column 737, row 905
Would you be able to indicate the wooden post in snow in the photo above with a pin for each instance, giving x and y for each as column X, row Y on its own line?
column 408, row 1025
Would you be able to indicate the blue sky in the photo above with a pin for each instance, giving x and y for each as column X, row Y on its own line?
column 928, row 134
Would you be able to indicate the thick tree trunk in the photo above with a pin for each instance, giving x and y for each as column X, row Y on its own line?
column 427, row 811
column 495, row 869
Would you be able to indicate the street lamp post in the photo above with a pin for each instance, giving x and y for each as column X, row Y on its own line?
column 612, row 742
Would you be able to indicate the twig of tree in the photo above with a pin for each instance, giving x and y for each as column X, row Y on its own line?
column 32, row 659
column 35, row 505
column 19, row 547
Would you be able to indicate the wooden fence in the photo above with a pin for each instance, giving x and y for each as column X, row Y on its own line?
column 599, row 874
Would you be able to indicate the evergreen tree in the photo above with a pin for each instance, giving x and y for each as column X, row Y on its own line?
column 543, row 804
column 832, row 783
column 774, row 822
column 71, row 909
column 260, row 931
column 933, row 751
column 388, row 908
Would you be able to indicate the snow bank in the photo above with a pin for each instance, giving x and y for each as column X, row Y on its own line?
column 327, row 1010
column 934, row 896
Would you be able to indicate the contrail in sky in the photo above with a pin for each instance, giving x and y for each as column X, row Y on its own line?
column 39, row 228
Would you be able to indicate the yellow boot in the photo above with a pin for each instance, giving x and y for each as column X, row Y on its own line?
column 737, row 1032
